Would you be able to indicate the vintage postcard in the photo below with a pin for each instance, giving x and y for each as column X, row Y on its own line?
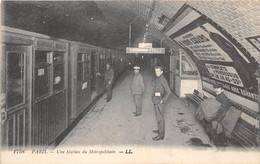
column 145, row 81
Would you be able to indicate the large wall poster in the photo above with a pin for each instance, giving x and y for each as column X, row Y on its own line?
column 218, row 56
column 224, row 73
column 202, row 47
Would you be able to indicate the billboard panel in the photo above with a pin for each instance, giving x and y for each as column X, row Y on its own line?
column 218, row 56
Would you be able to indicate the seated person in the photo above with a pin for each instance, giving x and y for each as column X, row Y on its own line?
column 225, row 102
column 211, row 122
column 217, row 134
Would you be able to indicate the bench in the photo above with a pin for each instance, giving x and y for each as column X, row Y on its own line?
column 244, row 133
column 195, row 97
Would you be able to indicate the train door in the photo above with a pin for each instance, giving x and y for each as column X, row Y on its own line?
column 83, row 81
column 50, row 90
column 102, row 72
column 16, row 67
column 112, row 61
column 108, row 59
column 94, row 71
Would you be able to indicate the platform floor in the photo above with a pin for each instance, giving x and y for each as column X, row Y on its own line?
column 113, row 123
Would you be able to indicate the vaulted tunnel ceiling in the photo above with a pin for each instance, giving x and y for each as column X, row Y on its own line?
column 106, row 23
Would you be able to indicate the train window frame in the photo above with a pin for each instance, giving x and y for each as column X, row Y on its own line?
column 62, row 59
column 112, row 60
column 102, row 60
column 108, row 60
column 56, row 63
column 86, row 66
column 49, row 66
column 82, row 59
column 23, row 54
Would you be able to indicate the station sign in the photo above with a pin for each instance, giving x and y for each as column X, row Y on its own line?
column 145, row 45
column 145, row 50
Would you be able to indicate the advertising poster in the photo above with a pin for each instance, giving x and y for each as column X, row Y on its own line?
column 219, row 58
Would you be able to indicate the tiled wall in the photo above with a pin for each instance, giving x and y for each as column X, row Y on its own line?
column 241, row 19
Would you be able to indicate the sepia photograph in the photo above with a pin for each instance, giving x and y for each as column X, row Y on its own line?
column 130, row 81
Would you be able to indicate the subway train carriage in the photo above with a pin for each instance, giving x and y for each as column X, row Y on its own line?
column 47, row 83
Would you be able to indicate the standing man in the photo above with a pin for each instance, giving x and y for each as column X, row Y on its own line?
column 109, row 77
column 137, row 90
column 161, row 92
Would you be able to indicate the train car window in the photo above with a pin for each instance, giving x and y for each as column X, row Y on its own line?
column 113, row 58
column 58, row 57
column 58, row 71
column 15, row 79
column 186, row 68
column 87, row 66
column 102, row 63
column 81, row 57
column 108, row 58
column 42, row 73
column 80, row 67
column 41, row 57
column 58, row 77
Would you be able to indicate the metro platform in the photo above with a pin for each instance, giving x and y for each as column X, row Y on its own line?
column 113, row 123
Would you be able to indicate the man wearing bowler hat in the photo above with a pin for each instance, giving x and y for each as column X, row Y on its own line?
column 161, row 92
column 137, row 90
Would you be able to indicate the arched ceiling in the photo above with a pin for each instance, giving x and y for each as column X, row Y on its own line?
column 106, row 23
column 240, row 18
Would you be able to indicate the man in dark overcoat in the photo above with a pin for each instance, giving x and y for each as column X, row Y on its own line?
column 161, row 92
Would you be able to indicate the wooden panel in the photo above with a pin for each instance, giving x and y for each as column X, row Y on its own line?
column 83, row 99
column 60, row 112
column 245, row 134
column 11, row 131
column 16, row 39
column 39, row 122
column 16, row 129
column 101, row 83
column 72, row 80
column 21, row 129
column 44, row 44
column 50, row 114
column 58, row 46
column 83, row 49
column 49, row 119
